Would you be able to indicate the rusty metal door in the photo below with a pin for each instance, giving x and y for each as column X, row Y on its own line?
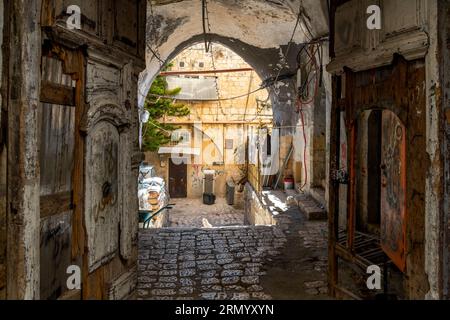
column 177, row 180
column 393, row 189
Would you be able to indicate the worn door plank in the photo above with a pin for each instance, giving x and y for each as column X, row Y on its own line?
column 54, row 93
column 55, row 204
column 393, row 189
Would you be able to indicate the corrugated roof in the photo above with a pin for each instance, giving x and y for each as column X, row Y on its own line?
column 193, row 88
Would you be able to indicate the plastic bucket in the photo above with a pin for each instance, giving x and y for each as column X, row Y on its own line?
column 288, row 183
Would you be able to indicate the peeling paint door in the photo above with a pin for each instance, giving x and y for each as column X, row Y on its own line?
column 103, row 199
column 393, row 189
column 56, row 159
column 177, row 180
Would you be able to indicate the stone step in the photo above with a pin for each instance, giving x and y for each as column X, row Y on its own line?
column 313, row 210
column 318, row 194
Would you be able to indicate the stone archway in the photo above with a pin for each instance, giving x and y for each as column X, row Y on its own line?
column 258, row 31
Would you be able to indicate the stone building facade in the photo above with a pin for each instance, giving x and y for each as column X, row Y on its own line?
column 217, row 131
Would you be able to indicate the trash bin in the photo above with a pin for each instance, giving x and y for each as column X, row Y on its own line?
column 289, row 183
column 230, row 192
column 209, row 199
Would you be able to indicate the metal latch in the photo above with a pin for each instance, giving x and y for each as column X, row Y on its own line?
column 340, row 176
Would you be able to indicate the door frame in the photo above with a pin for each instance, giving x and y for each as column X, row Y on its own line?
column 174, row 165
column 400, row 88
column 74, row 64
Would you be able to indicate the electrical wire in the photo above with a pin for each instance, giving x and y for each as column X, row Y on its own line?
column 297, row 23
column 155, row 52
column 216, row 82
column 305, row 23
column 312, row 65
column 270, row 82
column 159, row 127
column 248, row 97
column 212, row 100
column 157, row 56
column 267, row 83
column 305, row 140
column 206, row 25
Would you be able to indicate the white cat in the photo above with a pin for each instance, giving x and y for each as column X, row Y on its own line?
column 290, row 201
column 206, row 223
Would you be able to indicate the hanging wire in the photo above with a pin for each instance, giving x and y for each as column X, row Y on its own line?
column 216, row 82
column 208, row 47
column 297, row 23
column 309, row 36
column 213, row 100
column 272, row 82
column 206, row 25
column 310, row 66
column 155, row 52
column 304, row 97
column 267, row 83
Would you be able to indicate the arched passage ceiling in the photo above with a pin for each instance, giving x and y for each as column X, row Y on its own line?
column 258, row 30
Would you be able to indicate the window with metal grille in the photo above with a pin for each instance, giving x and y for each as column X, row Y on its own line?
column 181, row 138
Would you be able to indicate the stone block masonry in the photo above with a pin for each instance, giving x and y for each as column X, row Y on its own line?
column 206, row 263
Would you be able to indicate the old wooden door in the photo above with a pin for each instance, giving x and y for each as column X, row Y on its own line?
column 57, row 147
column 393, row 189
column 177, row 179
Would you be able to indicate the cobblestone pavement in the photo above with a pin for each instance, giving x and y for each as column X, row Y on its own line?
column 300, row 271
column 287, row 261
column 193, row 213
column 206, row 264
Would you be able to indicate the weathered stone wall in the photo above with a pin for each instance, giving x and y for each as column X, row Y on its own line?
column 231, row 169
column 229, row 84
column 256, row 213
column 227, row 120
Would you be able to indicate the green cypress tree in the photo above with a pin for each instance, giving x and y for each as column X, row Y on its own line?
column 156, row 133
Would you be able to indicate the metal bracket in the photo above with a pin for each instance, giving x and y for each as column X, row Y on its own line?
column 340, row 176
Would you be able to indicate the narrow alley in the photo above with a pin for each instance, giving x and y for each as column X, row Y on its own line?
column 224, row 150
column 287, row 261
